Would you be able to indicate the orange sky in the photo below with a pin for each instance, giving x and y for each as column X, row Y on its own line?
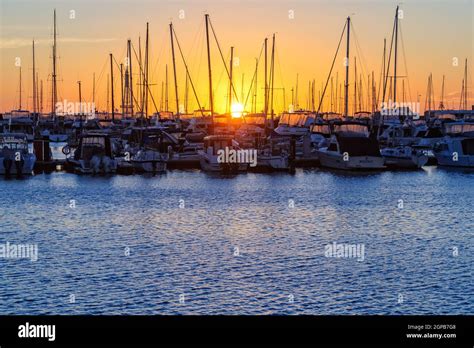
column 434, row 34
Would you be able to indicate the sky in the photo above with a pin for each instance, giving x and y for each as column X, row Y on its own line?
column 435, row 37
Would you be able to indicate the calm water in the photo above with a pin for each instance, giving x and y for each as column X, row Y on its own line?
column 234, row 245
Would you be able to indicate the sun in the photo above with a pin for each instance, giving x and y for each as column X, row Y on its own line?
column 237, row 109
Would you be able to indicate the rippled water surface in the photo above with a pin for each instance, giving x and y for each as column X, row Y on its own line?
column 237, row 245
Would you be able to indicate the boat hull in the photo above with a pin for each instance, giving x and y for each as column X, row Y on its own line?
column 23, row 167
column 336, row 161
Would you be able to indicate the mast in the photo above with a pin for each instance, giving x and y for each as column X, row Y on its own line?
column 121, row 88
column 441, row 103
column 355, row 85
column 129, row 51
column 255, row 87
column 112, row 87
column 265, row 106
column 80, row 105
column 346, row 87
column 296, row 93
column 166, row 88
column 37, row 92
column 395, row 63
column 229, row 107
column 174, row 70
column 34, row 80
column 272, row 75
column 19, row 108
column 211, row 101
column 146, row 72
column 41, row 97
column 465, row 85
column 54, row 94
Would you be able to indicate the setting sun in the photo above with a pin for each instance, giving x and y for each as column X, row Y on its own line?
column 237, row 110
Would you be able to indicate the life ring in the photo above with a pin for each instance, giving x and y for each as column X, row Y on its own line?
column 66, row 150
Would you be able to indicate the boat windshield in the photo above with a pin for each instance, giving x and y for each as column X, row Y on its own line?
column 459, row 128
column 352, row 129
column 321, row 128
column 93, row 141
column 13, row 143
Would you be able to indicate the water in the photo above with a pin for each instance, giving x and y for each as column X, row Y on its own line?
column 234, row 245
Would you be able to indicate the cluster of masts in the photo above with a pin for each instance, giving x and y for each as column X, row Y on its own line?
column 137, row 104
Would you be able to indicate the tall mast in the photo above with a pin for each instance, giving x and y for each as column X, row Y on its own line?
column 441, row 103
column 34, row 81
column 166, row 86
column 146, row 71
column 112, row 87
column 272, row 76
column 37, row 92
column 54, row 94
column 346, row 87
column 174, row 70
column 108, row 88
column 41, row 97
column 211, row 101
column 229, row 107
column 80, row 105
column 296, row 93
column 266, row 78
column 121, row 88
column 355, row 85
column 129, row 51
column 395, row 63
column 19, row 108
column 255, row 87
column 465, row 85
